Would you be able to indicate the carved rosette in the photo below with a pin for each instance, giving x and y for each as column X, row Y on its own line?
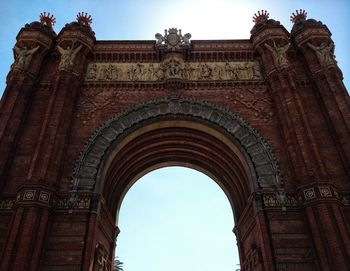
column 33, row 195
column 305, row 196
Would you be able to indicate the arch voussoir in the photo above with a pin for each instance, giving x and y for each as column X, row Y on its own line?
column 264, row 164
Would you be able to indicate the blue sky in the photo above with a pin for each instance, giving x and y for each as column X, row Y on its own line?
column 174, row 202
column 176, row 218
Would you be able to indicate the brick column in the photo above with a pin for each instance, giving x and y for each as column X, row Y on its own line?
column 323, row 212
column 272, row 44
column 327, row 226
column 275, row 50
column 74, row 43
column 313, row 40
column 28, row 229
column 31, row 219
column 33, row 43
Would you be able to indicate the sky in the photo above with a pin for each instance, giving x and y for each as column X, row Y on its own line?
column 176, row 218
column 174, row 202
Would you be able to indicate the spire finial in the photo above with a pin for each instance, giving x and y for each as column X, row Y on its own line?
column 261, row 17
column 84, row 19
column 298, row 16
column 47, row 19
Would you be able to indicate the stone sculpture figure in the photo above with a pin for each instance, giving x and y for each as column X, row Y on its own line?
column 92, row 72
column 110, row 72
column 186, row 39
column 160, row 39
column 279, row 53
column 23, row 57
column 217, row 73
column 250, row 71
column 205, row 72
column 228, row 71
column 245, row 71
column 172, row 68
column 135, row 72
column 152, row 73
column 256, row 71
column 67, row 57
column 324, row 52
column 235, row 72
column 187, row 71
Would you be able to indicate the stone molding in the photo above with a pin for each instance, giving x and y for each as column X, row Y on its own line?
column 265, row 165
column 307, row 195
column 109, row 45
column 35, row 195
column 83, row 200
column 45, row 198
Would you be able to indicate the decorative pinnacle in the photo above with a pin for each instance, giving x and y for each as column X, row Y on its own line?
column 84, row 18
column 298, row 17
column 261, row 17
column 47, row 19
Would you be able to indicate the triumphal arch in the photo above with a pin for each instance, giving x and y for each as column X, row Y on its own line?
column 268, row 118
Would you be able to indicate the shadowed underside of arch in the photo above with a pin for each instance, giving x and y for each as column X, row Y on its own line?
column 175, row 142
column 176, row 131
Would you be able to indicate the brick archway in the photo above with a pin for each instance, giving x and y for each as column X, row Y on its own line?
column 183, row 132
column 207, row 137
column 276, row 80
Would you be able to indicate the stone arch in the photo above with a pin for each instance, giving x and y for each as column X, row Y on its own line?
column 262, row 163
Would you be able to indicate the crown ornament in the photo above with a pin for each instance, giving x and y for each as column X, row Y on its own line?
column 47, row 19
column 261, row 17
column 172, row 30
column 84, row 19
column 298, row 16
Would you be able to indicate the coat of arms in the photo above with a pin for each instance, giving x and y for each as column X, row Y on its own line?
column 173, row 39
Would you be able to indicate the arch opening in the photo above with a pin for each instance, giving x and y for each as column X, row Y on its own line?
column 176, row 216
column 177, row 132
column 176, row 142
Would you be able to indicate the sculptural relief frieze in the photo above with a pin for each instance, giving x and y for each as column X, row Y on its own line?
column 173, row 68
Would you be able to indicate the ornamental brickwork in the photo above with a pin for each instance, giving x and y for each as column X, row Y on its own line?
column 267, row 118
